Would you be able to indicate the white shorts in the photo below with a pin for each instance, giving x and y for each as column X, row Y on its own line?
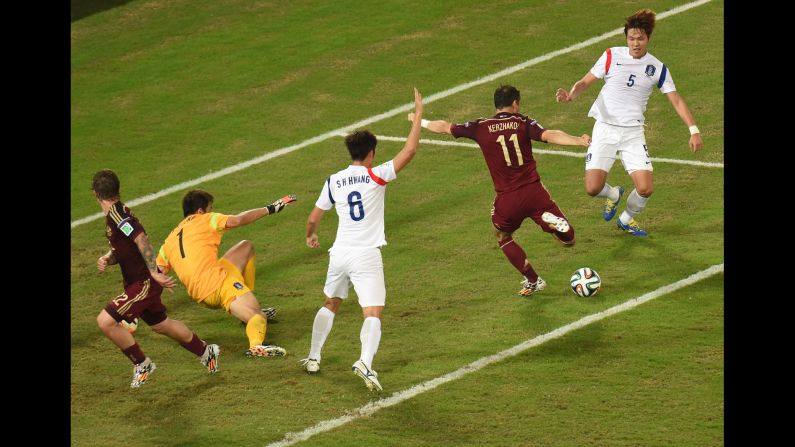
column 628, row 143
column 362, row 267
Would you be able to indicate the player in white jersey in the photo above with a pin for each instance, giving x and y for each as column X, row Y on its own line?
column 357, row 193
column 631, row 73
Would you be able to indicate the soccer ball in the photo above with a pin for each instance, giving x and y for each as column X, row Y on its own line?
column 131, row 327
column 585, row 282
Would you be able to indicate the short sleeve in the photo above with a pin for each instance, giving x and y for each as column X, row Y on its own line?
column 325, row 201
column 386, row 171
column 534, row 130
column 162, row 260
column 467, row 130
column 600, row 69
column 126, row 223
column 666, row 82
column 218, row 221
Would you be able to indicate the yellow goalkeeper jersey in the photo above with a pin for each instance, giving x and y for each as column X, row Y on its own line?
column 192, row 251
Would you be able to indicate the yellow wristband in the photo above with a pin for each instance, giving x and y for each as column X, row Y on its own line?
column 694, row 129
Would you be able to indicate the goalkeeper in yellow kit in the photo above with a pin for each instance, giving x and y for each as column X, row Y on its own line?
column 192, row 251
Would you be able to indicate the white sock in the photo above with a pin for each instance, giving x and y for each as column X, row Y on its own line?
column 370, row 337
column 608, row 192
column 635, row 204
column 320, row 330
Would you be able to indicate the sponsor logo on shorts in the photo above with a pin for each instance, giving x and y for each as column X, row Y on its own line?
column 237, row 285
column 588, row 157
column 650, row 70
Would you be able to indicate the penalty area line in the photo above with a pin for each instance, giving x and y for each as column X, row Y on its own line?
column 400, row 396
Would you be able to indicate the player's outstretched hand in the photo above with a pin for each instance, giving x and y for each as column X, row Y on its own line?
column 586, row 139
column 279, row 205
column 417, row 102
column 562, row 95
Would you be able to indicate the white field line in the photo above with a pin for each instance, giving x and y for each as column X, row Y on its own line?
column 398, row 397
column 547, row 151
column 375, row 118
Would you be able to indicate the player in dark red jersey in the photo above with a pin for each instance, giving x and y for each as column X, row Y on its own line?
column 505, row 142
column 143, row 284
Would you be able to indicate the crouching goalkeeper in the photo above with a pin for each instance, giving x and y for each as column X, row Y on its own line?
column 192, row 251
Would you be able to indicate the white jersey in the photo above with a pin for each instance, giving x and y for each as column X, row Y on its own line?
column 357, row 192
column 628, row 85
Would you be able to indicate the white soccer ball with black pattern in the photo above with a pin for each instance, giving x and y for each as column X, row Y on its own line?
column 585, row 282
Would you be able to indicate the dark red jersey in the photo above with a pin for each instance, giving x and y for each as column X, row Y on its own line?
column 505, row 143
column 121, row 228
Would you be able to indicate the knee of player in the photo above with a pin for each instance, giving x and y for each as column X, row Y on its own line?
column 502, row 236
column 592, row 190
column 645, row 191
column 161, row 327
column 248, row 245
column 332, row 304
column 105, row 321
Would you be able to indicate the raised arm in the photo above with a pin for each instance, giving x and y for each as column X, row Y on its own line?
column 438, row 126
column 410, row 148
column 684, row 113
column 563, row 96
column 562, row 138
column 246, row 217
column 311, row 227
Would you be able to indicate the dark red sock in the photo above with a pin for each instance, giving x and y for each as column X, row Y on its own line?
column 566, row 237
column 517, row 257
column 134, row 353
column 195, row 345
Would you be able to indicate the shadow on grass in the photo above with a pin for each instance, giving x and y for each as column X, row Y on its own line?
column 84, row 8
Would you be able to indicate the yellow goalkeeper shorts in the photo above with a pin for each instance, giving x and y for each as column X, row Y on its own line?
column 232, row 287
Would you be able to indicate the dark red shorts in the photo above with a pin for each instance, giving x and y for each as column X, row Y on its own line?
column 511, row 208
column 140, row 299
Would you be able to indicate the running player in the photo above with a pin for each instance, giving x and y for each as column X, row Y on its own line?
column 631, row 73
column 143, row 284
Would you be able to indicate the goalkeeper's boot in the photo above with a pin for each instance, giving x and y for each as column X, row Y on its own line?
column 556, row 223
column 631, row 227
column 266, row 351
column 210, row 358
column 311, row 366
column 610, row 207
column 369, row 376
column 529, row 288
column 141, row 372
column 269, row 313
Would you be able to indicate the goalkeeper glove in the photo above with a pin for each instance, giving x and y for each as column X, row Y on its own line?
column 279, row 205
